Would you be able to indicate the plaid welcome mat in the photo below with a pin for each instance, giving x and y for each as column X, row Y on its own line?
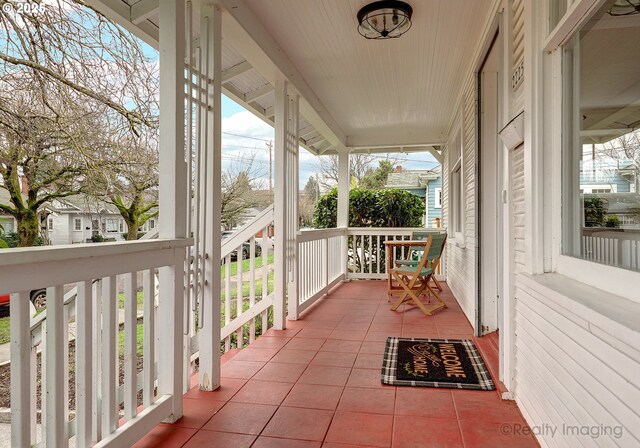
column 452, row 363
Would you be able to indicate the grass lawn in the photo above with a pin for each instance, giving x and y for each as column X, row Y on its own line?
column 140, row 300
column 4, row 330
column 140, row 339
column 245, row 265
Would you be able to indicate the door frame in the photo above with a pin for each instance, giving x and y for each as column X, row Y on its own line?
column 497, row 36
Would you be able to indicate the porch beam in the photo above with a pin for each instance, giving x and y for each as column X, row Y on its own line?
column 280, row 221
column 142, row 10
column 120, row 13
column 258, row 93
column 173, row 191
column 435, row 153
column 269, row 113
column 209, row 373
column 312, row 141
column 235, row 71
column 253, row 40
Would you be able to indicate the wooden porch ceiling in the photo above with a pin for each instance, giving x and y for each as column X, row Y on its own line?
column 369, row 96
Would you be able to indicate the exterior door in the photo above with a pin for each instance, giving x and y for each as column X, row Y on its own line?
column 490, row 230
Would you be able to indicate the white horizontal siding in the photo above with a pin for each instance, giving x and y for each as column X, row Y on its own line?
column 518, row 207
column 569, row 371
column 461, row 270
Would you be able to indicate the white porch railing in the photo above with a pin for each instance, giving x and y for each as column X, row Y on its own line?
column 367, row 255
column 108, row 410
column 320, row 265
column 247, row 295
column 612, row 247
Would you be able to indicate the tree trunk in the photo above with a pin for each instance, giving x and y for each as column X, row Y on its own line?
column 132, row 231
column 28, row 227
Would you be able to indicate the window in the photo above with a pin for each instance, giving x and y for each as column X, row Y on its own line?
column 601, row 146
column 7, row 225
column 456, row 187
column 111, row 225
column 121, row 226
column 437, row 198
column 152, row 224
column 50, row 224
column 77, row 224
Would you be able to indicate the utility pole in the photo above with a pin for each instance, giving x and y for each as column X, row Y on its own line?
column 270, row 146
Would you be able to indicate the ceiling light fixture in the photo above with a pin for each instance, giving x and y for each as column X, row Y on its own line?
column 384, row 19
column 624, row 8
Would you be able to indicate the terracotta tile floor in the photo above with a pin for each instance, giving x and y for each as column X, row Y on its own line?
column 317, row 384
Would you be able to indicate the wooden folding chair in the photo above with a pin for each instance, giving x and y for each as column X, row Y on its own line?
column 414, row 253
column 413, row 281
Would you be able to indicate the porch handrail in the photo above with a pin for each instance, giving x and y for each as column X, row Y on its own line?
column 261, row 220
column 367, row 253
column 55, row 267
column 69, row 300
column 246, row 296
column 320, row 267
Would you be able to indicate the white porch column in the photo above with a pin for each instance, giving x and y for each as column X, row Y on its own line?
column 285, row 204
column 342, row 221
column 292, row 179
column 173, row 184
column 209, row 336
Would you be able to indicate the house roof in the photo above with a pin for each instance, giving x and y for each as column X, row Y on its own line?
column 82, row 204
column 412, row 178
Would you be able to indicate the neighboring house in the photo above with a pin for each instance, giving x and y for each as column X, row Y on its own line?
column 616, row 182
column 424, row 183
column 75, row 219
column 608, row 176
column 7, row 221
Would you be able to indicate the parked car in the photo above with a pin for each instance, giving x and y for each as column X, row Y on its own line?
column 38, row 298
column 246, row 247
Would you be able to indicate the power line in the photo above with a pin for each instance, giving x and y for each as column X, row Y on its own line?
column 246, row 136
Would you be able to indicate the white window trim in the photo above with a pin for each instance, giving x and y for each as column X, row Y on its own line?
column 437, row 198
column 75, row 220
column 607, row 278
column 458, row 165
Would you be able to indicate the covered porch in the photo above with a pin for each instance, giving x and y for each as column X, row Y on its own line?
column 283, row 349
column 317, row 383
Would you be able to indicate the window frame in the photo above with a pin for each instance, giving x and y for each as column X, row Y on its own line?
column 614, row 280
column 437, row 198
column 456, row 221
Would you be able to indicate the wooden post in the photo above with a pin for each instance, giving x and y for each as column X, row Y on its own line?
column 211, row 43
column 280, row 204
column 293, row 173
column 173, row 184
column 21, row 403
column 342, row 222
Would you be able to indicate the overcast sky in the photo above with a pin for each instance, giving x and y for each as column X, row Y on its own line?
column 243, row 134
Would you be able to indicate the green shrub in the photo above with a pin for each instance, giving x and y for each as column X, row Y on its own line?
column 612, row 221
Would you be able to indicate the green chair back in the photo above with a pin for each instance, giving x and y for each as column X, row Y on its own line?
column 436, row 248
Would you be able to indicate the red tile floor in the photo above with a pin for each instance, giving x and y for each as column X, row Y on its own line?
column 317, row 384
